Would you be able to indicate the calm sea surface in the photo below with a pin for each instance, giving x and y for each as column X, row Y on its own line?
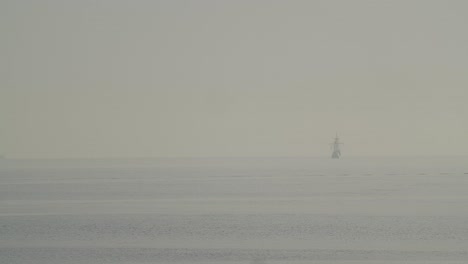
column 256, row 210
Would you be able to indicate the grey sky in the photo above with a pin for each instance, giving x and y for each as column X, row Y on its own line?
column 232, row 78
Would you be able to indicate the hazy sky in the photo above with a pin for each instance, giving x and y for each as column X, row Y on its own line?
column 115, row 78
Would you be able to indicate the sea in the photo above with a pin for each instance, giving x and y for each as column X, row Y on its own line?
column 234, row 210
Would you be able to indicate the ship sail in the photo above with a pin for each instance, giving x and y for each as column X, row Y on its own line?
column 336, row 148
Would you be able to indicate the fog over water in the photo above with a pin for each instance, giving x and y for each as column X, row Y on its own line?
column 183, row 131
column 117, row 78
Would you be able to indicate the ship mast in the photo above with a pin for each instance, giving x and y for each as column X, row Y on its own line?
column 336, row 147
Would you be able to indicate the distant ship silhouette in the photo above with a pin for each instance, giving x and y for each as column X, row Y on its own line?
column 336, row 148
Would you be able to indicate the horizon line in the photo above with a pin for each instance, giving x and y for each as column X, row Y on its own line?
column 227, row 157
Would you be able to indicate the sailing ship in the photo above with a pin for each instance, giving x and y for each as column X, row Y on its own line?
column 336, row 148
